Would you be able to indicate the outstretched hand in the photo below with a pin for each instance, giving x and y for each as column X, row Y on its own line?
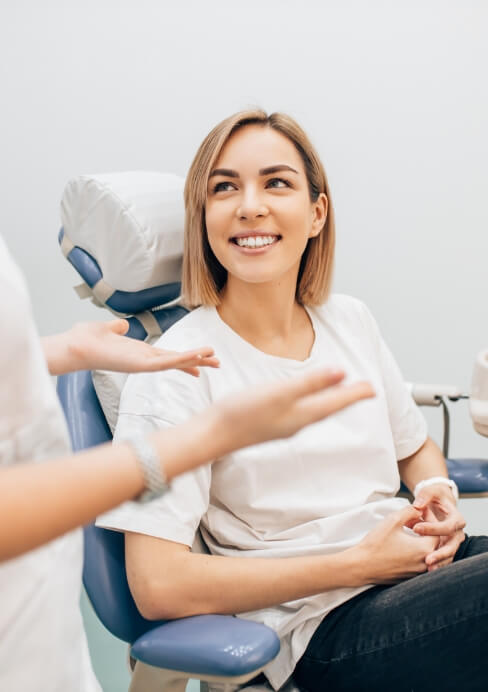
column 280, row 410
column 103, row 346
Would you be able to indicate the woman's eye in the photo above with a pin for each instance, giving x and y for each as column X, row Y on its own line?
column 223, row 187
column 277, row 182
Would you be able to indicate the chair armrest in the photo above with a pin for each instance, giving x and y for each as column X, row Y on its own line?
column 470, row 475
column 212, row 645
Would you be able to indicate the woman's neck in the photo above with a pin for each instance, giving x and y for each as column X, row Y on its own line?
column 269, row 317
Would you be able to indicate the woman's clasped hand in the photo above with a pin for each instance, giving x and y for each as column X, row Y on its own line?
column 392, row 551
column 442, row 518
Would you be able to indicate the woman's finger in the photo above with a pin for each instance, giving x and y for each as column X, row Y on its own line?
column 445, row 551
column 404, row 516
column 437, row 565
column 441, row 528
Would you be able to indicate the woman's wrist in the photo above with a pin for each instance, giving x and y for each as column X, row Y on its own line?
column 356, row 567
column 441, row 485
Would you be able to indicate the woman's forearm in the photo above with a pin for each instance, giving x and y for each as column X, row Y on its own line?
column 427, row 462
column 236, row 585
column 179, row 583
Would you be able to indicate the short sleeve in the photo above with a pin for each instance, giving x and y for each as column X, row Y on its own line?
column 174, row 516
column 408, row 426
column 149, row 402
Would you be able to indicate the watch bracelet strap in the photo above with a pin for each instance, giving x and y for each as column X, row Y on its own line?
column 155, row 480
column 437, row 479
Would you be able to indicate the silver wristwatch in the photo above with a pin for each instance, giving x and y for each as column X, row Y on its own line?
column 150, row 464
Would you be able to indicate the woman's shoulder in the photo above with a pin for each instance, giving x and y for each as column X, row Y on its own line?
column 187, row 333
column 170, row 395
column 348, row 312
column 342, row 306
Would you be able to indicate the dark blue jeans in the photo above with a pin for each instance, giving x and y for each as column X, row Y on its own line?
column 427, row 633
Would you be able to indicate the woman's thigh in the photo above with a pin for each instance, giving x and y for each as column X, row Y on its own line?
column 429, row 631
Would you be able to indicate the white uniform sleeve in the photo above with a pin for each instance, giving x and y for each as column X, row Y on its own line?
column 408, row 426
column 149, row 402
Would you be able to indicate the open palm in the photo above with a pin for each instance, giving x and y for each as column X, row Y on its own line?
column 103, row 346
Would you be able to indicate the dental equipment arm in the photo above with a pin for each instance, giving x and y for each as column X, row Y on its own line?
column 432, row 394
column 435, row 395
column 41, row 501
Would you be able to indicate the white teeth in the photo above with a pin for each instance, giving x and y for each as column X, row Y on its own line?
column 256, row 241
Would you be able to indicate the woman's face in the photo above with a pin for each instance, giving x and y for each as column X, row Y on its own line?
column 259, row 215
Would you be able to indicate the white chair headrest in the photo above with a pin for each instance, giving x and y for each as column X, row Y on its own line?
column 130, row 223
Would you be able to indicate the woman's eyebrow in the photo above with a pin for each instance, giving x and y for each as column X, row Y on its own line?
column 276, row 168
column 229, row 173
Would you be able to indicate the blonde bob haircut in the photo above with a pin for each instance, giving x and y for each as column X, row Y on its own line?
column 203, row 275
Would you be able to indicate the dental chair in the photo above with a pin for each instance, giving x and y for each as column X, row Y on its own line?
column 123, row 234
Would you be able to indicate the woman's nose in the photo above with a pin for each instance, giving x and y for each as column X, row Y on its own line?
column 251, row 206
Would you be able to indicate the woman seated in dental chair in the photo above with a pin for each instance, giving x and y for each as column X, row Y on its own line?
column 307, row 536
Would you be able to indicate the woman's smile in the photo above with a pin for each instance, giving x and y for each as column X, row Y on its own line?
column 254, row 242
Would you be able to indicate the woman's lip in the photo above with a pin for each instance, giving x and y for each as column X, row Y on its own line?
column 255, row 250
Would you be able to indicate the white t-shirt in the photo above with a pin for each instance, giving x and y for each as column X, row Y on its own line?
column 42, row 642
column 318, row 492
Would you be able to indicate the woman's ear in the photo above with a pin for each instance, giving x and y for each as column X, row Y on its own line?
column 319, row 214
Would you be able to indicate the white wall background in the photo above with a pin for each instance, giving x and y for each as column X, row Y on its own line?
column 393, row 94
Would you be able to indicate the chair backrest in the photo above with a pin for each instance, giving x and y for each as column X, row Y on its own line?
column 104, row 574
column 123, row 233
